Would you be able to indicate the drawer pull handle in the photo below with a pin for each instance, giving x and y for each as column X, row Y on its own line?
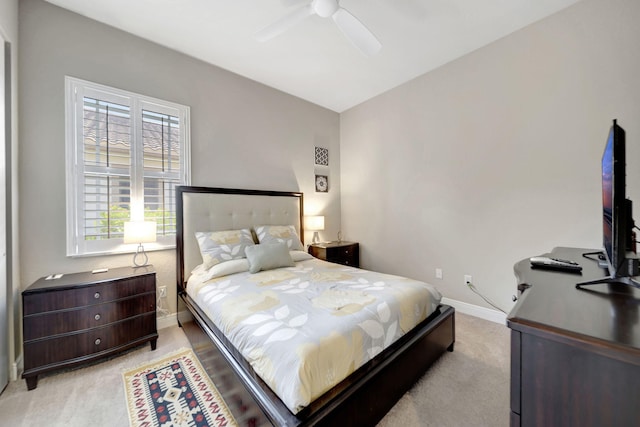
column 98, row 341
column 96, row 295
column 97, row 317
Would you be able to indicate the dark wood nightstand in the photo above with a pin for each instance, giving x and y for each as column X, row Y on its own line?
column 346, row 253
column 81, row 317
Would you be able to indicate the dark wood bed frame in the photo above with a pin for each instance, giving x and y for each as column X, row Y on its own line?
column 362, row 399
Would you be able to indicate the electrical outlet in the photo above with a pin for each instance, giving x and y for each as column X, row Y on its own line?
column 163, row 291
column 467, row 279
column 438, row 273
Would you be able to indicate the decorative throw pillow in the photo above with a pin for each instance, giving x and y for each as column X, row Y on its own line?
column 221, row 246
column 279, row 234
column 300, row 256
column 268, row 256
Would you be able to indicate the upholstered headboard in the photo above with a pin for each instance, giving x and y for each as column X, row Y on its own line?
column 217, row 209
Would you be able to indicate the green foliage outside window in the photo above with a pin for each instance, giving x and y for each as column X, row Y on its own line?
column 112, row 223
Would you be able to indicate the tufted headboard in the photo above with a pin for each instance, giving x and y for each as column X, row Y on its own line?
column 217, row 209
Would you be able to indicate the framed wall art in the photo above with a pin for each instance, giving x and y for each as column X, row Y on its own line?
column 322, row 156
column 322, row 183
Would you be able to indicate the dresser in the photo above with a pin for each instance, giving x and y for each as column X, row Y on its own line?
column 81, row 317
column 575, row 353
column 346, row 253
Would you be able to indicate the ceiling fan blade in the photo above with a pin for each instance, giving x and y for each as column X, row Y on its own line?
column 356, row 32
column 284, row 23
column 289, row 3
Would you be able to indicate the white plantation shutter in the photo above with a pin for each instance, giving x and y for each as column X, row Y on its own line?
column 162, row 166
column 125, row 155
column 106, row 158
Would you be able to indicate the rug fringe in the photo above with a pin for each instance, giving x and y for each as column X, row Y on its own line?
column 159, row 359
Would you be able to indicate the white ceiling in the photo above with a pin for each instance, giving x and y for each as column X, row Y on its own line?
column 313, row 60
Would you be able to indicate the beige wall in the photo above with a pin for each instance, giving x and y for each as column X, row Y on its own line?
column 243, row 134
column 495, row 157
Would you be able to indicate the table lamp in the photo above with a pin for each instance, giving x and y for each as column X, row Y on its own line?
column 314, row 223
column 140, row 232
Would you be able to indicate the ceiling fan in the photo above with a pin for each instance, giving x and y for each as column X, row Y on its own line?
column 350, row 26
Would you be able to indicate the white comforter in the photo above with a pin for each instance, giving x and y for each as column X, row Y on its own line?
column 306, row 328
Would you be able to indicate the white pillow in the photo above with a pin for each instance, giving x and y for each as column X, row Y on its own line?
column 268, row 256
column 300, row 255
column 220, row 246
column 279, row 234
column 226, row 268
column 200, row 276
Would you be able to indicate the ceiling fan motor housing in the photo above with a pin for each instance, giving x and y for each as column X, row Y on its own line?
column 325, row 8
column 361, row 37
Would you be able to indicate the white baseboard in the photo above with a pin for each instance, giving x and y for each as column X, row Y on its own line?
column 167, row 321
column 16, row 369
column 477, row 311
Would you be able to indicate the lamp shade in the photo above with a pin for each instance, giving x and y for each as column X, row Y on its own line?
column 314, row 222
column 139, row 231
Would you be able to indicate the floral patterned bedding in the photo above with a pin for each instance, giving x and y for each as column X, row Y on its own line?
column 306, row 328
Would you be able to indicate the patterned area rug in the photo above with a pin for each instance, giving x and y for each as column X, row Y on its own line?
column 174, row 391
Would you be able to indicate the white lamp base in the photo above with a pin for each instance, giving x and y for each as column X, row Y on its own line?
column 140, row 252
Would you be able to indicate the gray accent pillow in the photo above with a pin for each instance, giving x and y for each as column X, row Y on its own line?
column 280, row 233
column 268, row 256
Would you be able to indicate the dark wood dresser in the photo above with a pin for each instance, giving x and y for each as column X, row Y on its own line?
column 575, row 353
column 346, row 253
column 81, row 317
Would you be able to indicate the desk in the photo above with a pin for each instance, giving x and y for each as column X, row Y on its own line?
column 575, row 353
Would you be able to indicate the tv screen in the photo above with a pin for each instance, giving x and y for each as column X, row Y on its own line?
column 607, row 196
column 614, row 209
column 617, row 217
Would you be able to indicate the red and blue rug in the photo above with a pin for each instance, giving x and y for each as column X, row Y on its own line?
column 174, row 391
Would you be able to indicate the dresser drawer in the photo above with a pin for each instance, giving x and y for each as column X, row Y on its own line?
column 71, row 320
column 342, row 252
column 348, row 259
column 346, row 255
column 79, row 346
column 87, row 295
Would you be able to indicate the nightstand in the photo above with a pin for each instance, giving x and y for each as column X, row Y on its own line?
column 81, row 317
column 346, row 253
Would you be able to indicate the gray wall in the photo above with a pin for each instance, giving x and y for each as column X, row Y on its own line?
column 243, row 134
column 495, row 157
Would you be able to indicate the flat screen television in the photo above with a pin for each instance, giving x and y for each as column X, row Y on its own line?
column 618, row 235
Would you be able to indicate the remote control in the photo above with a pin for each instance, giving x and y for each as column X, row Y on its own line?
column 555, row 264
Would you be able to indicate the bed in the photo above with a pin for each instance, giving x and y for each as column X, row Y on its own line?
column 212, row 309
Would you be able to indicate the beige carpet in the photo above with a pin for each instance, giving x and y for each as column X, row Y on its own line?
column 469, row 387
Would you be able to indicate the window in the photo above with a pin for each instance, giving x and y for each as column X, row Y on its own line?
column 126, row 153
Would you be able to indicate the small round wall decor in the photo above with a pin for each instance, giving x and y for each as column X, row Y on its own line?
column 322, row 183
